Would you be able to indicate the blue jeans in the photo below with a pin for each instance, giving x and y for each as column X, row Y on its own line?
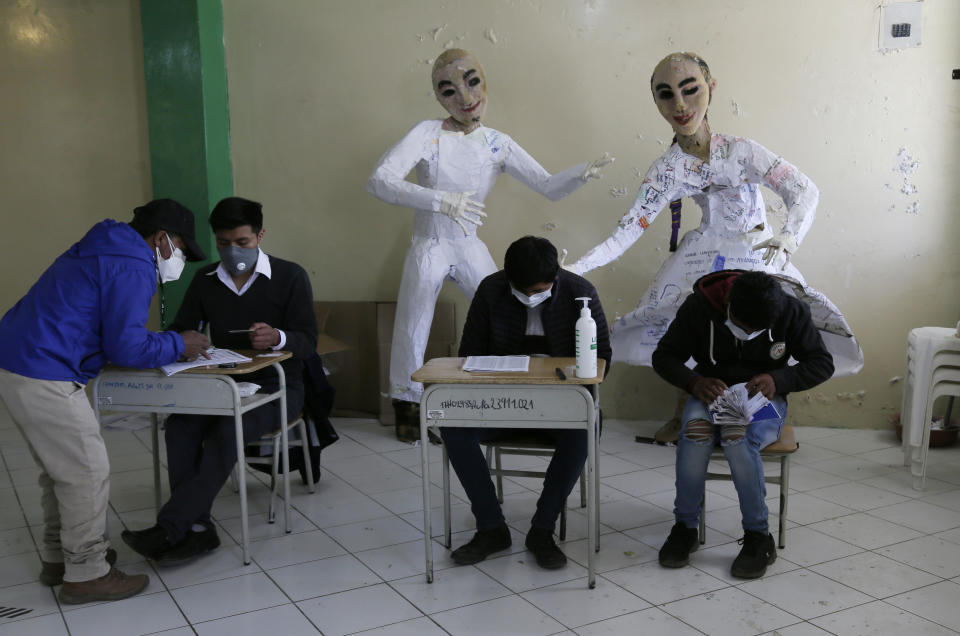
column 742, row 454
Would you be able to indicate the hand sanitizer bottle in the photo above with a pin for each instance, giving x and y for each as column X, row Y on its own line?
column 586, row 342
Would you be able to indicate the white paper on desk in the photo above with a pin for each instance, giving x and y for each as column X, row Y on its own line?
column 217, row 356
column 497, row 363
column 246, row 389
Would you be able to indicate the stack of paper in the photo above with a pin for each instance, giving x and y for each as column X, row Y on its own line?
column 516, row 364
column 736, row 407
column 217, row 356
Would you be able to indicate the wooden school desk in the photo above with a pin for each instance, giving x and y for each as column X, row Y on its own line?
column 197, row 391
column 535, row 399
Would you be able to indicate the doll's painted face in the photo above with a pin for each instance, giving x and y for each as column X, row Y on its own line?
column 461, row 88
column 681, row 93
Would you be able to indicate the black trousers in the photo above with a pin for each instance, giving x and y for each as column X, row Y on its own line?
column 463, row 448
column 201, row 452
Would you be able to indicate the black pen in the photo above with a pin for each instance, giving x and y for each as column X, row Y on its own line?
column 561, row 374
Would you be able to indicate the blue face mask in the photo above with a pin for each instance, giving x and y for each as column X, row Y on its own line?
column 239, row 260
column 739, row 333
column 534, row 299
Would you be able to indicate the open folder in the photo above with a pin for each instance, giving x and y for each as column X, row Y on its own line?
column 217, row 356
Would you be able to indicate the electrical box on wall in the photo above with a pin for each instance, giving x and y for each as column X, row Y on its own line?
column 900, row 25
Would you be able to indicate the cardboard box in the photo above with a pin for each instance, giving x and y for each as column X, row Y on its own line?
column 356, row 339
column 440, row 344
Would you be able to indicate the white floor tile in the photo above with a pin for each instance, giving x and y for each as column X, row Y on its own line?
column 804, row 593
column 729, row 612
column 228, row 597
column 15, row 541
column 804, row 509
column 374, row 533
column 800, row 629
column 617, row 551
column 414, row 627
column 874, row 574
column 641, row 482
column 49, row 625
column 865, row 531
column 624, row 514
column 326, row 576
column 519, row 572
column 574, row 605
column 879, row 619
column 358, row 610
column 806, row 547
column 294, row 548
column 858, row 496
column 658, row 585
column 19, row 568
column 454, row 587
column 853, row 467
column 33, row 598
column 136, row 615
column 930, row 554
column 223, row 563
column 287, row 620
column 937, row 603
column 919, row 515
column 648, row 621
column 401, row 560
column 716, row 562
column 509, row 615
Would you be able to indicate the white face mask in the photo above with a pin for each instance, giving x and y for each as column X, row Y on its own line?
column 739, row 333
column 534, row 299
column 170, row 268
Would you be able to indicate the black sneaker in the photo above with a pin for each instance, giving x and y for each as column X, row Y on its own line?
column 546, row 552
column 483, row 544
column 675, row 552
column 192, row 546
column 757, row 553
column 149, row 542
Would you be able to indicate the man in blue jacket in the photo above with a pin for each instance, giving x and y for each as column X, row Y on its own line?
column 89, row 308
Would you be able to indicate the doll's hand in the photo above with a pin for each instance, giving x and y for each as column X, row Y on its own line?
column 462, row 209
column 784, row 243
column 592, row 171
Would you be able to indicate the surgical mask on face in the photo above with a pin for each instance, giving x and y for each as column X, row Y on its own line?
column 739, row 333
column 239, row 260
column 534, row 299
column 170, row 268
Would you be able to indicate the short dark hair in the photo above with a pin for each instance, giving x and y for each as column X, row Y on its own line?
column 530, row 260
column 756, row 299
column 144, row 229
column 234, row 212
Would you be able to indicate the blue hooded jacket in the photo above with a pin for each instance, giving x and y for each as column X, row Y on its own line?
column 89, row 308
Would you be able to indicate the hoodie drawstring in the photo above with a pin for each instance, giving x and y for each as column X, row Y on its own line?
column 712, row 361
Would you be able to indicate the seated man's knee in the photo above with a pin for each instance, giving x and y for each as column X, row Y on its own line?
column 699, row 431
column 731, row 433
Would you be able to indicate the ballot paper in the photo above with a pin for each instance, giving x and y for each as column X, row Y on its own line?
column 735, row 406
column 516, row 364
column 217, row 356
column 246, row 389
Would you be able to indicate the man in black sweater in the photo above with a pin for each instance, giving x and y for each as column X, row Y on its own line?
column 739, row 327
column 270, row 302
column 529, row 308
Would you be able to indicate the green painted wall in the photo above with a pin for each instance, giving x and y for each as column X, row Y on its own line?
column 187, row 113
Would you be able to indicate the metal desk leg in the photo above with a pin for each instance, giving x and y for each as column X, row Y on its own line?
column 447, row 530
column 425, row 476
column 592, row 478
column 244, row 524
column 285, row 447
column 155, row 432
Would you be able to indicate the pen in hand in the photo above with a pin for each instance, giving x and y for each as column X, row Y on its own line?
column 561, row 374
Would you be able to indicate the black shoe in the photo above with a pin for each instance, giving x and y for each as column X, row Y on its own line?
column 192, row 546
column 407, row 416
column 483, row 544
column 757, row 553
column 548, row 555
column 675, row 552
column 149, row 542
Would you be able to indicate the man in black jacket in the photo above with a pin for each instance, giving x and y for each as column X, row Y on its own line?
column 250, row 301
column 527, row 308
column 739, row 327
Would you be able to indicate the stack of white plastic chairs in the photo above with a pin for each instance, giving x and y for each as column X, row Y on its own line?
column 933, row 370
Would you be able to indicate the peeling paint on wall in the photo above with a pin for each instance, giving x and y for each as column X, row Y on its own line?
column 737, row 111
column 905, row 165
column 618, row 193
column 491, row 35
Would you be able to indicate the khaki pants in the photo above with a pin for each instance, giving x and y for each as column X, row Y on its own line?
column 62, row 432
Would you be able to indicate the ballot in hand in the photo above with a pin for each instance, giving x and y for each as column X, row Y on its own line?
column 195, row 345
column 263, row 336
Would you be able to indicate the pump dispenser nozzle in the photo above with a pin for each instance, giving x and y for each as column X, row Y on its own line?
column 586, row 306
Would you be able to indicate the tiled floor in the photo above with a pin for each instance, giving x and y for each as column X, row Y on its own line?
column 866, row 554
